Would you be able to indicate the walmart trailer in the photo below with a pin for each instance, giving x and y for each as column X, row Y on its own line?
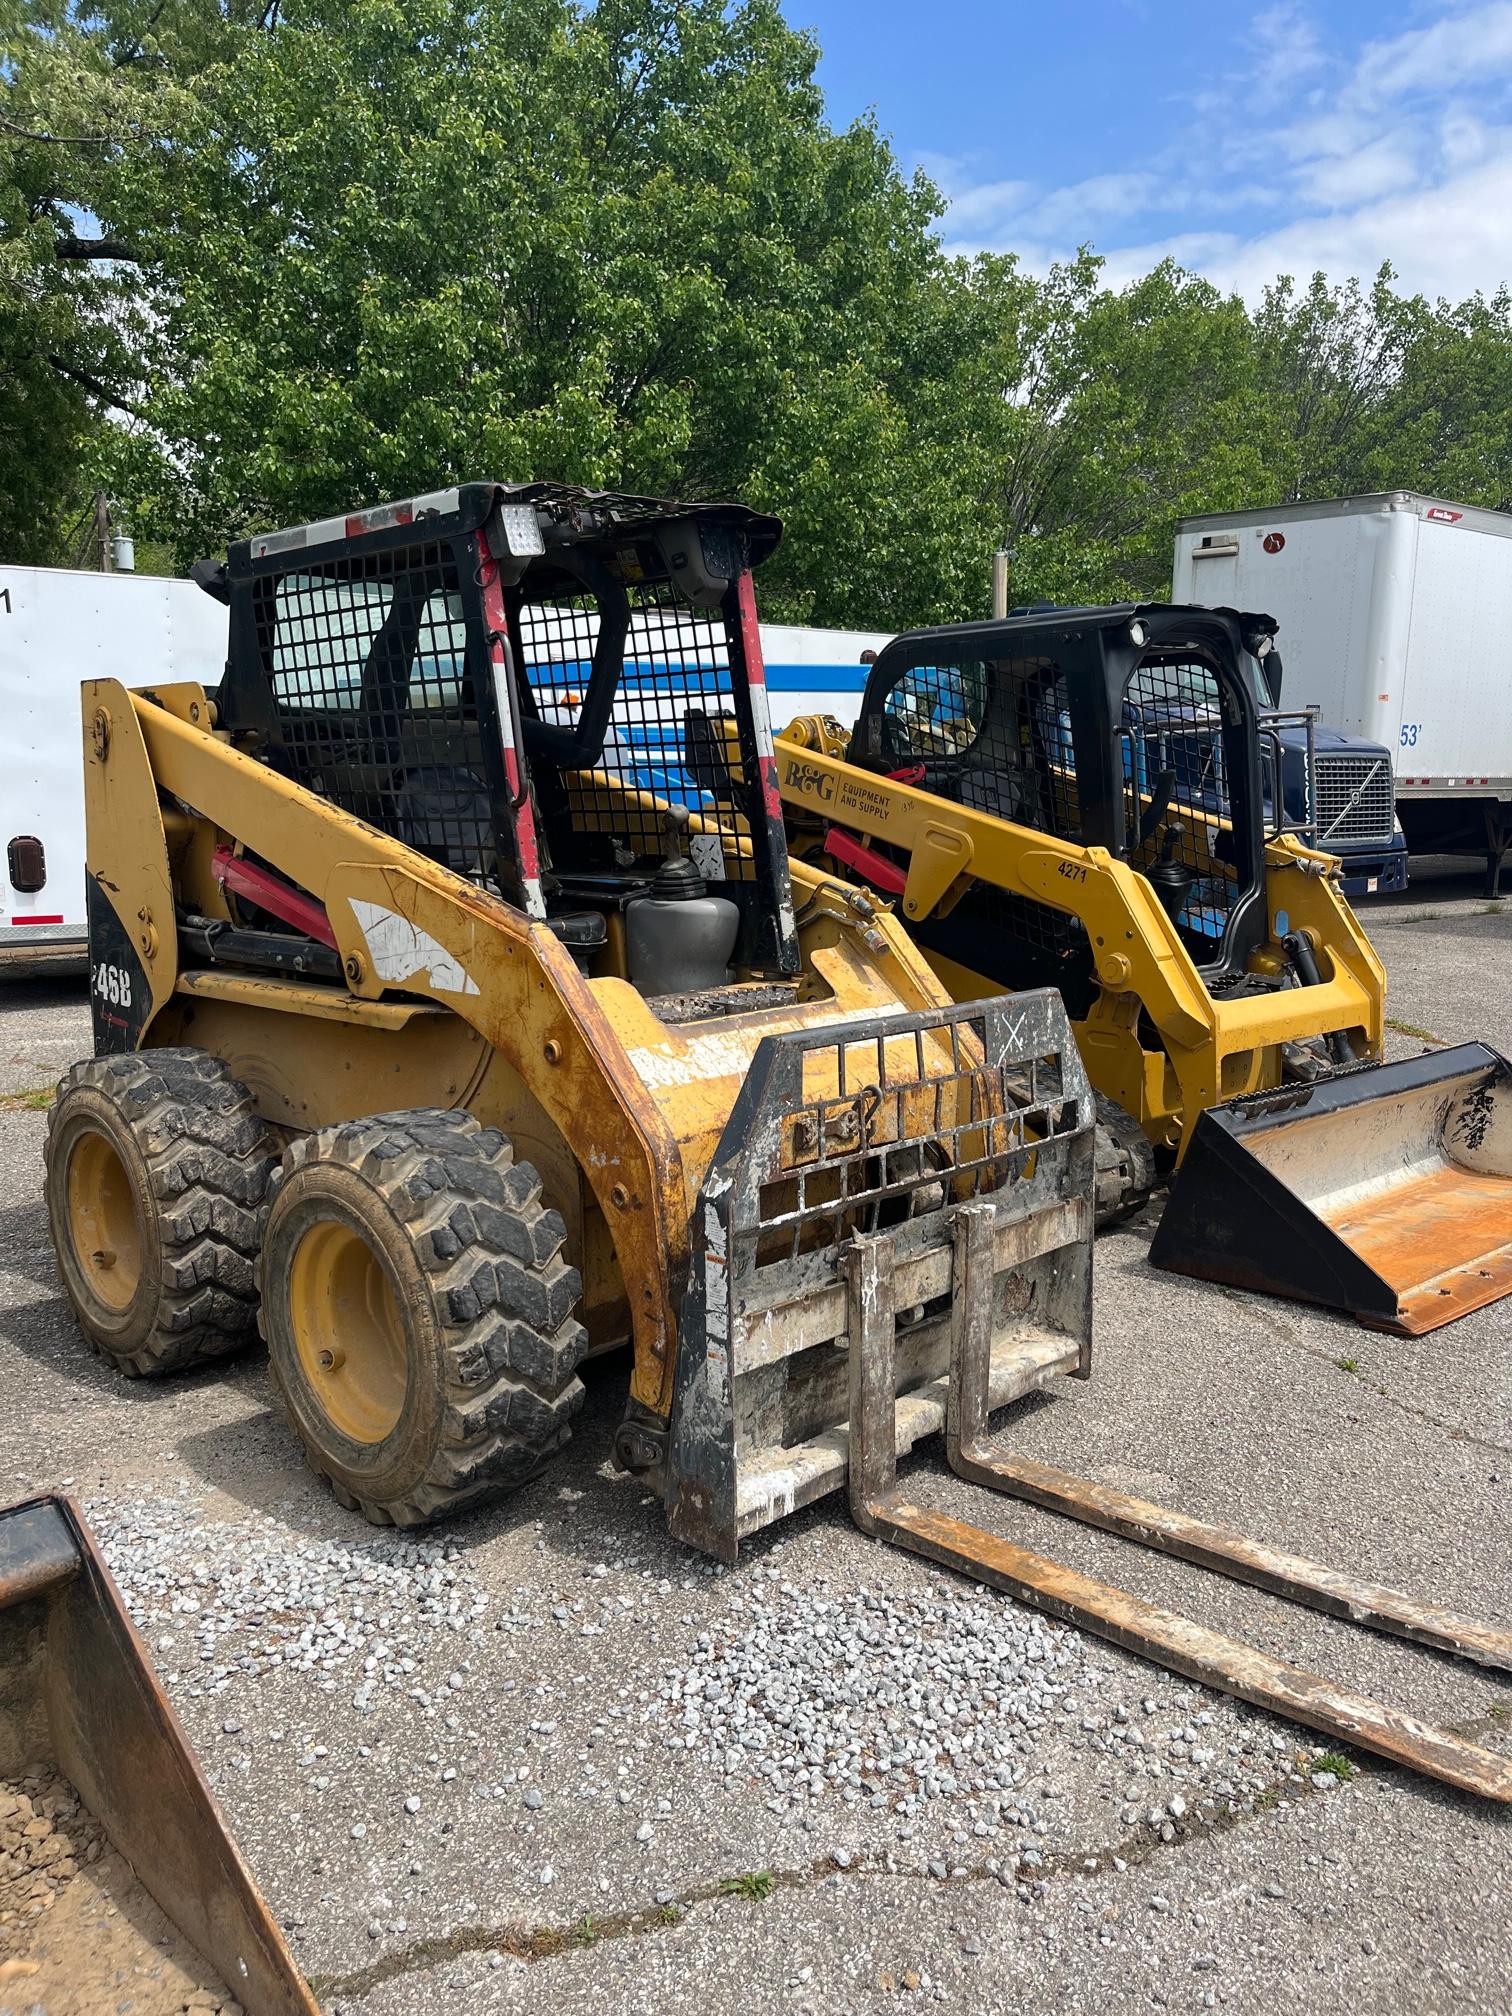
column 1396, row 621
column 58, row 627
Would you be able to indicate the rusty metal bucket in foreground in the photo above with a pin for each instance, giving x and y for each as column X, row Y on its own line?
column 79, row 1703
column 1386, row 1192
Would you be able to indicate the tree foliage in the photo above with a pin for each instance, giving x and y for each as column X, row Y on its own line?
column 260, row 259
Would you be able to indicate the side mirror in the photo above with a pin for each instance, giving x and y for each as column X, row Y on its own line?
column 211, row 576
column 1270, row 665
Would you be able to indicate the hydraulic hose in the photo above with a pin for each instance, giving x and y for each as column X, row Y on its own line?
column 1304, row 961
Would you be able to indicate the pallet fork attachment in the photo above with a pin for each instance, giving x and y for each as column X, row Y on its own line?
column 880, row 1508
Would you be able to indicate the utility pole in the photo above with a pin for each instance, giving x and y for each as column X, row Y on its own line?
column 102, row 531
column 1000, row 583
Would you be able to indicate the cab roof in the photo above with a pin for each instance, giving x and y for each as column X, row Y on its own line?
column 567, row 515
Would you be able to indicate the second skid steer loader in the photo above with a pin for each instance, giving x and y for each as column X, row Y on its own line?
column 433, row 1040
column 1079, row 799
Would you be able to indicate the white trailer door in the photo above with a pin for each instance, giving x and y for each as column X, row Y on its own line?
column 41, row 768
column 57, row 628
column 1318, row 576
column 1456, row 722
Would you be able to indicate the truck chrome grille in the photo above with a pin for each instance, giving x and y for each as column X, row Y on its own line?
column 1356, row 797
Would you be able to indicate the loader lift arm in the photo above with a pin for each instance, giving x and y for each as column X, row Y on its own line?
column 945, row 846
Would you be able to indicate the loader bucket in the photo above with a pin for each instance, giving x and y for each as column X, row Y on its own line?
column 1385, row 1192
column 101, row 1801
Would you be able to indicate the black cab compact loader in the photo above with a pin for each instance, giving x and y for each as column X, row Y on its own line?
column 458, row 1012
column 1089, row 799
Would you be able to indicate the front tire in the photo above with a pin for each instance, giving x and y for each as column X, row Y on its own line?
column 157, row 1166
column 418, row 1313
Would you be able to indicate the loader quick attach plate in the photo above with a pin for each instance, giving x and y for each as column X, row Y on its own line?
column 1386, row 1192
column 877, row 1129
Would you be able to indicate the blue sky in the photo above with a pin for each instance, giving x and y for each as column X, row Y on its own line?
column 1245, row 141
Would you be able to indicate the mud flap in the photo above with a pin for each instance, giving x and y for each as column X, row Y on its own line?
column 78, row 1696
column 1385, row 1192
column 880, row 1127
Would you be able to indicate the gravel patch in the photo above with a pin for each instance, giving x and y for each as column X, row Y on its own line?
column 870, row 1695
column 895, row 1703
column 76, row 1928
column 224, row 1602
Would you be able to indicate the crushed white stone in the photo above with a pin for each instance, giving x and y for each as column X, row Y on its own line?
column 225, row 1601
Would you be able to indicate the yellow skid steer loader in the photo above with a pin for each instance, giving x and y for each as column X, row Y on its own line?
column 449, row 1025
column 1087, row 799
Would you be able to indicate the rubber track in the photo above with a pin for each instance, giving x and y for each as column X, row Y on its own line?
column 210, row 1158
column 492, row 1253
column 1124, row 1163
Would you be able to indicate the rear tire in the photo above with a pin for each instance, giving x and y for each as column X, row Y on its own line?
column 419, row 1314
column 157, row 1166
column 1125, row 1164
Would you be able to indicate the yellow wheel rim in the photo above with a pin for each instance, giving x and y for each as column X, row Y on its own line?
column 103, row 1223
column 348, row 1330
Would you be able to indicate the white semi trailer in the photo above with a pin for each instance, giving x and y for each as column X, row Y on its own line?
column 57, row 627
column 1395, row 614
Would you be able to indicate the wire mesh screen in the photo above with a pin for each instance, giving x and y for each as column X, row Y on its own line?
column 1176, row 796
column 673, row 738
column 882, row 1124
column 367, row 665
column 1015, row 942
column 994, row 735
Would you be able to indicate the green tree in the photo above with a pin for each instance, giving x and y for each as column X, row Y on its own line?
column 1091, row 419
column 83, row 93
column 1445, row 422
column 1329, row 358
column 384, row 244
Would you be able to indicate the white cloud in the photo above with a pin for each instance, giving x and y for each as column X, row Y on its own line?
column 990, row 206
column 1463, row 139
column 1452, row 239
column 1101, row 199
column 1287, row 48
column 1400, row 150
column 1338, row 181
column 1464, row 47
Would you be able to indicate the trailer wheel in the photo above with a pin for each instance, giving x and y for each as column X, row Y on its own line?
column 1125, row 1164
column 419, row 1314
column 157, row 1170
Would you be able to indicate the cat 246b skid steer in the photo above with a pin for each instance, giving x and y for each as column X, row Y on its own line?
column 1083, row 799
column 433, row 1040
